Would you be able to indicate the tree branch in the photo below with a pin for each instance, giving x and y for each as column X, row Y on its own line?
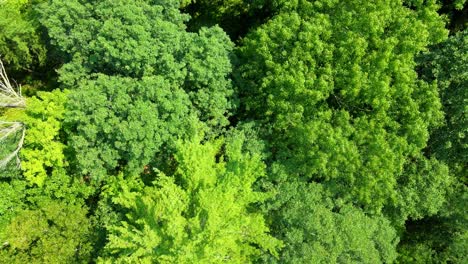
column 9, row 97
column 4, row 162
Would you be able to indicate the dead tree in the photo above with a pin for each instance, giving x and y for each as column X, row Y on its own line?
column 10, row 98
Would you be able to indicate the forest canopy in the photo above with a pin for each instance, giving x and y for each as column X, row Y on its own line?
column 264, row 131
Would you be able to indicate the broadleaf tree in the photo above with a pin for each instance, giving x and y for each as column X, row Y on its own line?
column 335, row 88
column 202, row 213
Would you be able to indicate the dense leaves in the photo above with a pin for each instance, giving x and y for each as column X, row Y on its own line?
column 442, row 237
column 447, row 64
column 335, row 88
column 319, row 131
column 122, row 123
column 200, row 214
column 55, row 233
column 318, row 230
column 42, row 150
column 20, row 42
column 143, row 39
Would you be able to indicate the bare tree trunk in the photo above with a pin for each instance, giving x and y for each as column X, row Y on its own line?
column 13, row 129
column 10, row 98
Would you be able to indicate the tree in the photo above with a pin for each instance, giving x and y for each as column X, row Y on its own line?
column 143, row 38
column 317, row 229
column 42, row 150
column 438, row 239
column 120, row 124
column 10, row 98
column 53, row 233
column 47, row 223
column 447, row 64
column 142, row 48
column 334, row 86
column 21, row 45
column 423, row 190
column 202, row 213
column 442, row 238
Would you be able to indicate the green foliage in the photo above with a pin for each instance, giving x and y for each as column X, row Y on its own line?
column 423, row 189
column 457, row 252
column 116, row 37
column 141, row 48
column 42, row 150
column 12, row 199
column 435, row 240
column 18, row 194
column 456, row 12
column 236, row 17
column 335, row 88
column 343, row 139
column 54, row 233
column 20, row 41
column 441, row 238
column 447, row 64
column 202, row 214
column 316, row 229
column 458, row 4
column 143, row 38
column 121, row 123
column 47, row 224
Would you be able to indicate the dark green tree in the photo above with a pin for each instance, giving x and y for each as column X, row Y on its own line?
column 236, row 17
column 447, row 65
column 457, row 14
column 119, row 124
column 161, row 78
column 317, row 229
column 443, row 238
column 143, row 38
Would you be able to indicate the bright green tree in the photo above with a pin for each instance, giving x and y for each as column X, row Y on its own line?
column 334, row 86
column 42, row 149
column 53, row 233
column 47, row 223
column 20, row 41
column 201, row 214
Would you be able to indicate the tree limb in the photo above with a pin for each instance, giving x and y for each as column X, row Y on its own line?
column 9, row 97
column 4, row 162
